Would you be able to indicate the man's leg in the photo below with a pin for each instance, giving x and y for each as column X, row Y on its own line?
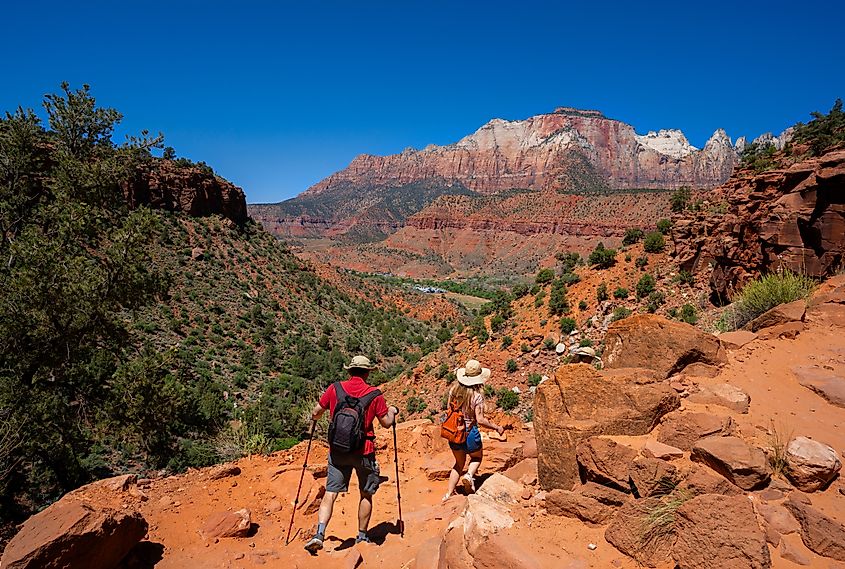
column 337, row 482
column 365, row 510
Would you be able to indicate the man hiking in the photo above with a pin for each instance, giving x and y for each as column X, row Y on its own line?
column 354, row 406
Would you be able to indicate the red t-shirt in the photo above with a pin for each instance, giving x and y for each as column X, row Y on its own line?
column 357, row 387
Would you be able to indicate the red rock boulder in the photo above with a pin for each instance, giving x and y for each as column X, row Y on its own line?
column 72, row 535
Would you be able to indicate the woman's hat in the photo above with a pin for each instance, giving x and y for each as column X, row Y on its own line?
column 472, row 374
column 360, row 362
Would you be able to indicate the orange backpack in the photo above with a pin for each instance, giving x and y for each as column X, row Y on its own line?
column 454, row 427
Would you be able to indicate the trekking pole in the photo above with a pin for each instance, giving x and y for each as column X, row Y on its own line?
column 301, row 478
column 398, row 494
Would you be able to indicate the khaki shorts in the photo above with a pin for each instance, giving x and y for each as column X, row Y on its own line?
column 340, row 472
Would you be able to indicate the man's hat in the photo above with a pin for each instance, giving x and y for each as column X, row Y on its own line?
column 360, row 362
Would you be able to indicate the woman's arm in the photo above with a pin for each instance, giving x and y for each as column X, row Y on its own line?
column 482, row 420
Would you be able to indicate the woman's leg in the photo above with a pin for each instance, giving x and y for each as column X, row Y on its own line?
column 475, row 462
column 457, row 470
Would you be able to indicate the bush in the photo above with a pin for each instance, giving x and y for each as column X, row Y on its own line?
column 534, row 379
column 654, row 242
column 645, row 286
column 506, row 399
column 655, row 300
column 415, row 405
column 520, row 290
column 569, row 278
column 549, row 343
column 685, row 277
column 601, row 293
column 506, row 342
column 664, row 225
column 602, row 257
column 497, row 323
column 619, row 313
column 511, row 366
column 567, row 325
column 641, row 262
column 680, row 198
column 763, row 294
column 632, row 235
column 557, row 299
column 585, row 343
column 545, row 276
column 582, row 305
column 824, row 131
column 688, row 314
column 568, row 261
column 620, row 293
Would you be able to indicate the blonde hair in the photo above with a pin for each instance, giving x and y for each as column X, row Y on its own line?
column 461, row 395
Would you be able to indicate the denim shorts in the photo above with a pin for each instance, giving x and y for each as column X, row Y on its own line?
column 340, row 472
column 473, row 442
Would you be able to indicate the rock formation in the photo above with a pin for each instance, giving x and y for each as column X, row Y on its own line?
column 163, row 184
column 791, row 218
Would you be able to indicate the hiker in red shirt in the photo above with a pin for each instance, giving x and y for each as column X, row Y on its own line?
column 354, row 406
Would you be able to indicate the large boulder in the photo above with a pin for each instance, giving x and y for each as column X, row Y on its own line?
column 605, row 461
column 579, row 402
column 590, row 503
column 744, row 465
column 633, row 532
column 500, row 488
column 72, row 535
column 723, row 394
column 682, row 429
column 824, row 382
column 820, row 533
column 781, row 314
column 652, row 476
column 810, row 465
column 502, row 552
column 719, row 531
column 653, row 342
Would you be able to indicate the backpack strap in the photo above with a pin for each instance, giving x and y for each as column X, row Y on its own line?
column 339, row 391
column 368, row 398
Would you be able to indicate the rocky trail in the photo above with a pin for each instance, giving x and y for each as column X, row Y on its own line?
column 696, row 452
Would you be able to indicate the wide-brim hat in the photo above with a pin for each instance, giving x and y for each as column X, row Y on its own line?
column 360, row 362
column 472, row 374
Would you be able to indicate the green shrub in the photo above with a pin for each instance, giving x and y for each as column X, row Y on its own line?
column 549, row 343
column 641, row 262
column 582, row 305
column 497, row 322
column 645, row 285
column 511, row 366
column 534, row 379
column 602, row 257
column 570, row 278
column 684, row 277
column 558, row 304
column 567, row 325
column 415, row 405
column 585, row 343
column 680, row 198
column 627, row 257
column 632, row 235
column 664, row 225
column 620, row 293
column 506, row 399
column 824, row 131
column 524, row 348
column 506, row 342
column 654, row 242
column 655, row 300
column 520, row 290
column 601, row 293
column 544, row 276
column 568, row 261
column 619, row 313
column 688, row 314
column 763, row 294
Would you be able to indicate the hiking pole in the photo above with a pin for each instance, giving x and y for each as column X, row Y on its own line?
column 398, row 494
column 301, row 478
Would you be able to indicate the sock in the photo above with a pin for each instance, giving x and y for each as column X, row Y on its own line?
column 362, row 535
column 321, row 530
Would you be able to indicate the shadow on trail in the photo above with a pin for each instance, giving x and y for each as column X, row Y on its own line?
column 377, row 534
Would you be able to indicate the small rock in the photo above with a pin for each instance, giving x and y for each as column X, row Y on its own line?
column 810, row 465
column 560, row 349
column 227, row 524
column 656, row 449
column 224, row 471
column 591, row 546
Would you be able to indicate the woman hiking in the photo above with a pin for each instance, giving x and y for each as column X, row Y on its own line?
column 466, row 394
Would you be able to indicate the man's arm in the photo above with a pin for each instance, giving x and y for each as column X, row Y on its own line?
column 389, row 418
column 317, row 412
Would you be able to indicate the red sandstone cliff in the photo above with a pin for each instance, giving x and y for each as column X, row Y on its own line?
column 163, row 184
column 534, row 153
column 792, row 218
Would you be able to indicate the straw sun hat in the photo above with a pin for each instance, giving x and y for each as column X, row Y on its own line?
column 472, row 374
column 360, row 362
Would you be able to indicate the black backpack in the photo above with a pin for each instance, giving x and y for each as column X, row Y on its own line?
column 347, row 432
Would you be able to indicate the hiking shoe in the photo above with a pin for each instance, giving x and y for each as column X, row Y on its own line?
column 468, row 483
column 314, row 545
column 364, row 539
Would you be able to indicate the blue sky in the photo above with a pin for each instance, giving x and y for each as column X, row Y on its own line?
column 277, row 95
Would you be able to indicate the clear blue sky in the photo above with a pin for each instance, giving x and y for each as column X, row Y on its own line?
column 277, row 95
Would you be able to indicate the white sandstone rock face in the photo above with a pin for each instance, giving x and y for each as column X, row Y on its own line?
column 810, row 464
column 670, row 142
